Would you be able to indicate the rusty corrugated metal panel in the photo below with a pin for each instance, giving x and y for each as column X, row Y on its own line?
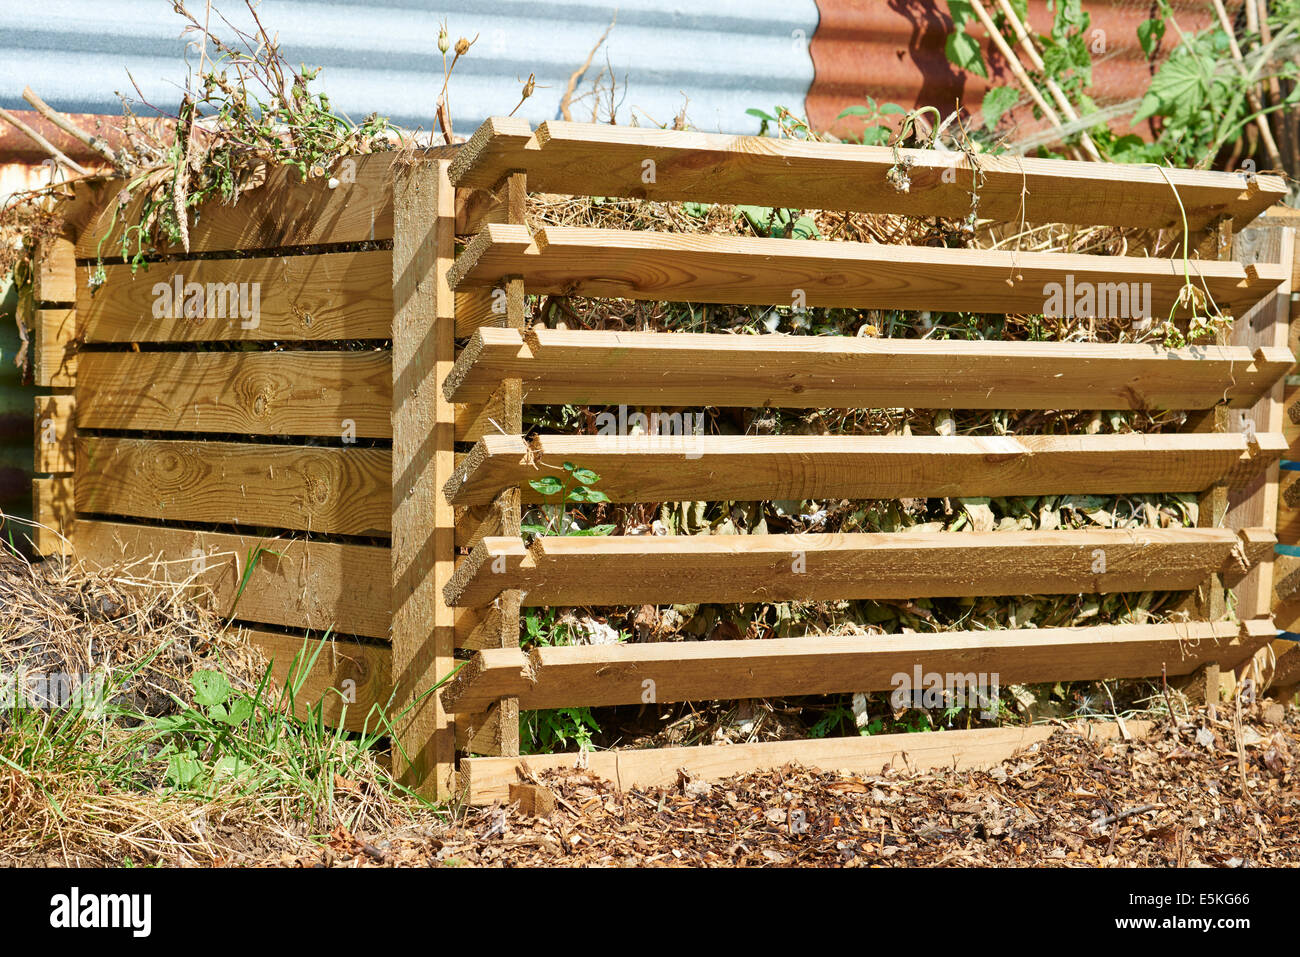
column 893, row 50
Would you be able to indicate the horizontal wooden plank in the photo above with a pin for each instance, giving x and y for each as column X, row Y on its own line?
column 54, row 351
column 54, row 279
column 346, row 295
column 643, row 569
column 309, row 488
column 586, row 367
column 351, row 681
column 688, row 267
column 53, row 511
column 485, row 780
column 602, row 675
column 283, row 211
column 336, row 394
column 658, row 468
column 293, row 582
column 54, row 429
column 599, row 160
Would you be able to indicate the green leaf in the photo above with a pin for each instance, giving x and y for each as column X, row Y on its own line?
column 698, row 210
column 210, row 688
column 1150, row 33
column 854, row 111
column 961, row 12
column 761, row 115
column 1178, row 91
column 182, row 769
column 595, row 530
column 888, row 109
column 586, row 476
column 964, row 50
column 549, row 485
column 996, row 102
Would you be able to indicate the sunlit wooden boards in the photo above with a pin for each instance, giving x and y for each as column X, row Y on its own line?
column 484, row 780
column 683, row 267
column 351, row 203
column 700, row 369
column 54, row 428
column 54, row 354
column 343, row 394
column 628, row 570
column 330, row 296
column 595, row 160
column 677, row 467
column 602, row 675
column 54, row 512
column 268, row 578
column 343, row 491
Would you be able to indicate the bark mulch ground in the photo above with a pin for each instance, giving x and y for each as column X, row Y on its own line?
column 1203, row 793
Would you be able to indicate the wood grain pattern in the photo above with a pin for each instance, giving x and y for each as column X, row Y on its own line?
column 284, row 211
column 585, row 367
column 296, row 583
column 344, row 295
column 55, row 278
column 604, row 675
column 485, row 780
column 334, row 394
column 423, row 553
column 54, row 349
column 309, row 488
column 670, row 468
column 689, row 267
column 54, row 427
column 597, row 160
column 629, row 570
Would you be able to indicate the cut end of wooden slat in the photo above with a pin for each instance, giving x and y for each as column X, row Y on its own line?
column 491, row 674
column 482, row 160
column 1258, row 629
column 503, row 237
column 489, row 569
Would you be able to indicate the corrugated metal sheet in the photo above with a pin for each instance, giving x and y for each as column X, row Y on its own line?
column 894, row 51
column 727, row 55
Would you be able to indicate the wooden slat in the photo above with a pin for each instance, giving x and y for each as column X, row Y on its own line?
column 688, row 468
column 1265, row 326
column 423, row 553
column 598, row 160
column 310, row 488
column 55, row 276
column 296, row 583
column 335, row 394
column 55, row 436
column 697, row 369
column 54, row 355
column 53, row 511
column 350, row 679
column 344, row 295
column 603, row 675
column 485, row 780
column 637, row 569
column 682, row 267
column 284, row 211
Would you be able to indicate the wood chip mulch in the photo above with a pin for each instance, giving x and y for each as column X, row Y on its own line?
column 1218, row 793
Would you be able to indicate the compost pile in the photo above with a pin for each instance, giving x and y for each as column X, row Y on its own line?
column 732, row 721
column 140, row 639
column 1195, row 793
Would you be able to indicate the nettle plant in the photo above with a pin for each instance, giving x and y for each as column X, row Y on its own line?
column 1209, row 93
column 574, row 486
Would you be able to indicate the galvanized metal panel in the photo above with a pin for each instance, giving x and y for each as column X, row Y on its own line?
column 727, row 55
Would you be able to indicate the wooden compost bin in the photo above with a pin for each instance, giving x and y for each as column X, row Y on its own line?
column 378, row 472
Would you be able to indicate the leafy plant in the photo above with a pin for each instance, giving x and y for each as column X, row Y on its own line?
column 576, row 486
